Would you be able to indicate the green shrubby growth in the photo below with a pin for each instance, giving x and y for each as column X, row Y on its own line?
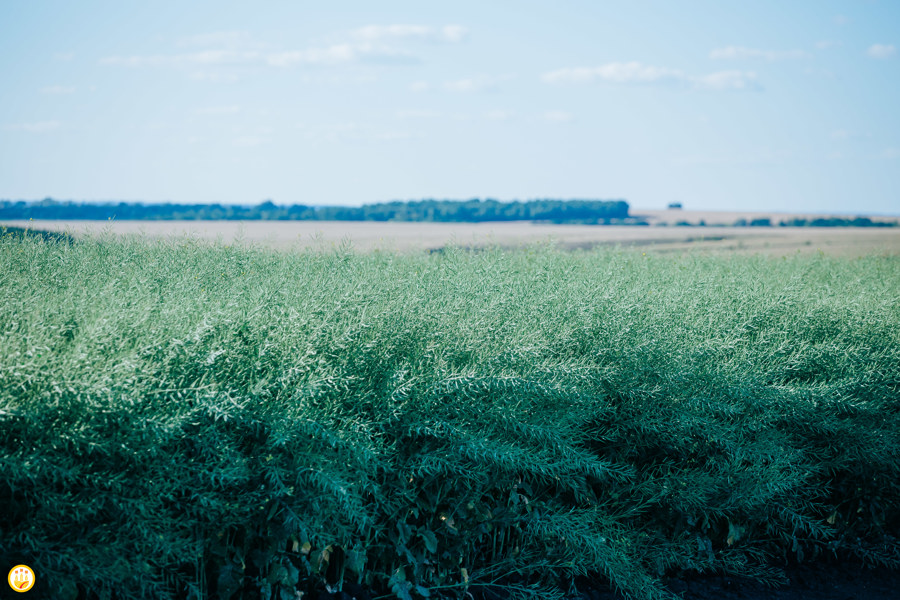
column 186, row 420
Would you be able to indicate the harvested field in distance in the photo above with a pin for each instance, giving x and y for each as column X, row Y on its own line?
column 402, row 236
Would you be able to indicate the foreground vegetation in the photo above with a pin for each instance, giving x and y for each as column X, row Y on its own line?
column 186, row 420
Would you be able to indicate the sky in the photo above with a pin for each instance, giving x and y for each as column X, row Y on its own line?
column 720, row 105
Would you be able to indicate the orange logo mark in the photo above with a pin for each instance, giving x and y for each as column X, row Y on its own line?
column 21, row 578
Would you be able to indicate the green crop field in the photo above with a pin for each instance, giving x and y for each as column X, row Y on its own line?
column 186, row 419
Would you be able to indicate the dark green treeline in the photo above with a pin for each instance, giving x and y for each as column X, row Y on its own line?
column 469, row 211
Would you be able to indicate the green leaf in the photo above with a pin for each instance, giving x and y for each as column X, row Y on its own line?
column 287, row 594
column 431, row 543
column 735, row 533
column 400, row 586
column 278, row 574
column 229, row 580
column 356, row 561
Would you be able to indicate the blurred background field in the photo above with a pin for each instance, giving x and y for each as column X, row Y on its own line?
column 717, row 236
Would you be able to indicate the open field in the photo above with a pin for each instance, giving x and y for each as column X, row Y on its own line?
column 190, row 420
column 405, row 237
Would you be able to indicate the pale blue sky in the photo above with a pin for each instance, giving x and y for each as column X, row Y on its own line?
column 720, row 105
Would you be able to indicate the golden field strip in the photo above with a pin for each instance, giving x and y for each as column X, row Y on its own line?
column 408, row 236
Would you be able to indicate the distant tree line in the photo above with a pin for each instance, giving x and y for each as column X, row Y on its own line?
column 817, row 222
column 446, row 211
column 589, row 212
column 795, row 222
column 837, row 222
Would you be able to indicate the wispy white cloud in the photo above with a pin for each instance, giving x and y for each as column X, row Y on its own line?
column 727, row 80
column 58, row 89
column 232, row 40
column 375, row 33
column 818, row 72
column 352, row 132
column 635, row 73
column 334, row 77
column 205, row 58
column 840, row 19
column 630, row 72
column 742, row 53
column 759, row 157
column 238, row 49
column 418, row 114
column 499, row 115
column 826, row 44
column 327, row 132
column 474, row 84
column 419, row 86
column 217, row 56
column 394, row 136
column 848, row 134
column 882, row 51
column 35, row 127
column 558, row 116
column 380, row 32
column 454, row 33
column 218, row 110
column 215, row 76
column 335, row 54
column 841, row 134
column 463, row 85
column 249, row 141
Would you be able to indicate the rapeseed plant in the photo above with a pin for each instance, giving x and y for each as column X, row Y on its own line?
column 437, row 425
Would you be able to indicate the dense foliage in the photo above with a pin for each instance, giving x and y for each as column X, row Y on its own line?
column 837, row 222
column 817, row 222
column 471, row 211
column 180, row 420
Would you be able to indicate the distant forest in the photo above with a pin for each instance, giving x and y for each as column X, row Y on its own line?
column 587, row 212
column 444, row 211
